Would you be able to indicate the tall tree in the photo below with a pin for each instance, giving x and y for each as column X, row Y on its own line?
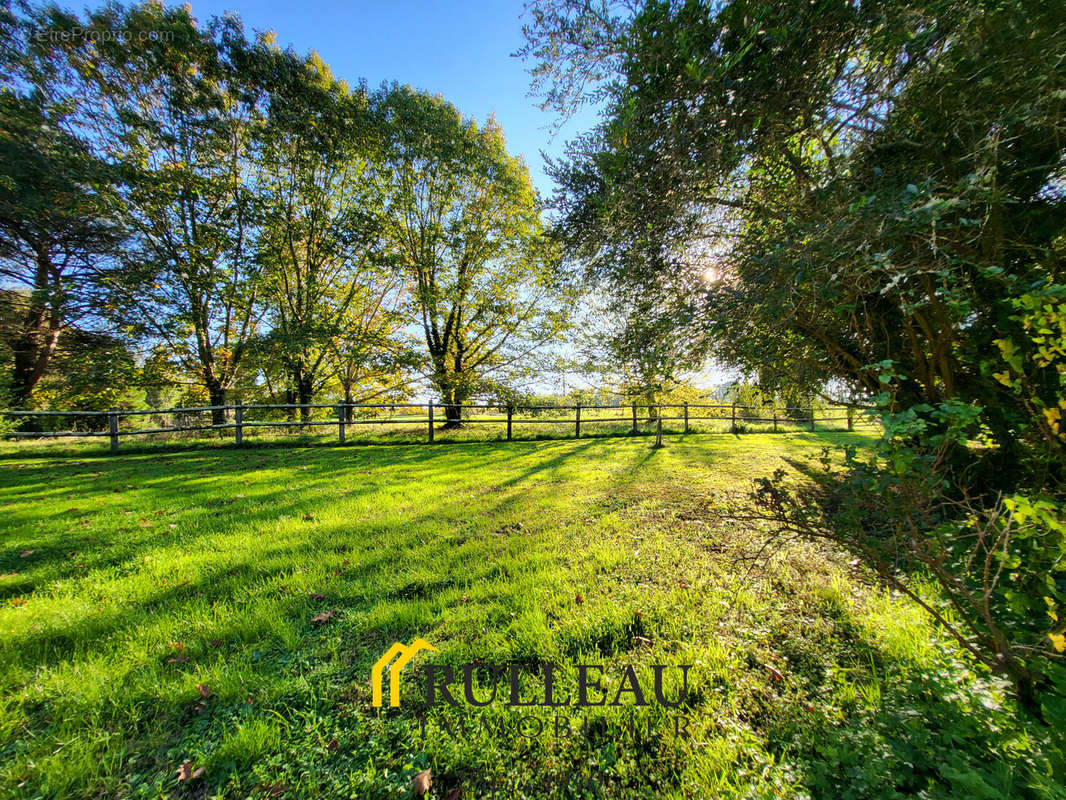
column 464, row 226
column 787, row 137
column 178, row 117
column 372, row 357
column 58, row 230
column 326, row 280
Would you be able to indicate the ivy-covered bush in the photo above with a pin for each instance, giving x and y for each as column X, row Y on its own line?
column 912, row 509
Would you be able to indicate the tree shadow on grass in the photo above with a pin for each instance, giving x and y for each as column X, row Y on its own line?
column 371, row 579
column 52, row 565
column 387, row 593
column 166, row 488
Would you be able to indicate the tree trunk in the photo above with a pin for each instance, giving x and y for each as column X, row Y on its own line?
column 452, row 400
column 290, row 399
column 1025, row 683
column 217, row 393
column 41, row 327
column 453, row 416
column 33, row 353
column 305, row 389
column 653, row 409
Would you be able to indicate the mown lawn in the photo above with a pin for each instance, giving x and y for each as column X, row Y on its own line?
column 156, row 609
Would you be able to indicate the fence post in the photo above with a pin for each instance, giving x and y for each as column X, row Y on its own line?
column 577, row 424
column 851, row 418
column 775, row 419
column 634, row 419
column 510, row 411
column 341, row 419
column 733, row 420
column 238, row 423
column 686, row 417
column 112, row 426
column 430, row 420
column 812, row 418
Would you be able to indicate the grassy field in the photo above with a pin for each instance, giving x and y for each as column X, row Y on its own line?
column 158, row 609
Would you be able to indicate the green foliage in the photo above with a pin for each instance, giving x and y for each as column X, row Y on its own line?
column 1033, row 367
column 92, row 372
column 464, row 229
column 642, row 349
column 999, row 564
column 173, row 107
column 331, row 300
column 57, row 230
column 887, row 751
column 277, row 242
column 850, row 167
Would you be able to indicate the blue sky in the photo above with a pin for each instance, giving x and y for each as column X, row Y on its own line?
column 460, row 49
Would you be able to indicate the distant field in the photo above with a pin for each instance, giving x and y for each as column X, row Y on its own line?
column 156, row 609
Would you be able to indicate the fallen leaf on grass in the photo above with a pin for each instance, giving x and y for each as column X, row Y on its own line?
column 325, row 616
column 642, row 640
column 454, row 794
column 579, row 599
column 332, row 745
column 422, row 782
column 775, row 674
column 177, row 659
column 26, row 553
column 187, row 772
column 272, row 789
column 317, row 596
column 204, row 691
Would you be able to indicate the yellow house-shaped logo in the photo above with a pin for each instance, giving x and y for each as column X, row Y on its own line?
column 405, row 653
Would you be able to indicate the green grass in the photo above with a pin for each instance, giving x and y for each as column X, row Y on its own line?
column 128, row 582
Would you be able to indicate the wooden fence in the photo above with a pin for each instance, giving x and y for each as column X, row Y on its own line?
column 431, row 416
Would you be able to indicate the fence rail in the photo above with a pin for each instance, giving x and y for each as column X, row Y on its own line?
column 245, row 418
